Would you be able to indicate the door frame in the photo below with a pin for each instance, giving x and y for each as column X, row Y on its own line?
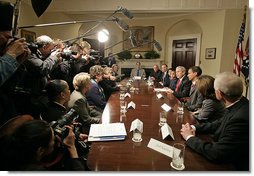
column 183, row 37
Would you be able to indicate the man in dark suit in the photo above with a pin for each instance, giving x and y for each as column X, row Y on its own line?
column 196, row 98
column 183, row 84
column 231, row 132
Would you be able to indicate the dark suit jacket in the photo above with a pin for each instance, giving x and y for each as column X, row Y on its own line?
column 95, row 96
column 184, row 88
column 109, row 87
column 53, row 112
column 231, row 137
column 157, row 75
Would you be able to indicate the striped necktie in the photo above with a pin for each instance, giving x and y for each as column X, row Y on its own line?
column 138, row 72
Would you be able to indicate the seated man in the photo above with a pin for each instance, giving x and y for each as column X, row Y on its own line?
column 138, row 71
column 156, row 74
column 183, row 84
column 231, row 132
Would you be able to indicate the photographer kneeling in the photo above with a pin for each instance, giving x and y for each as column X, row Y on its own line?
column 32, row 142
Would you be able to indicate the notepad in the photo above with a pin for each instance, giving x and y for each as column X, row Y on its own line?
column 107, row 132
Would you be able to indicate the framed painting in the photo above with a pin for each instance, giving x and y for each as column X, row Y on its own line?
column 144, row 36
column 28, row 35
column 210, row 53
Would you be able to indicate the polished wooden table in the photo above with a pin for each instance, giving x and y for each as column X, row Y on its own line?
column 130, row 156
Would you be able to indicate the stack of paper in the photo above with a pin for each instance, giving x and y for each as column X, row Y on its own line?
column 107, row 132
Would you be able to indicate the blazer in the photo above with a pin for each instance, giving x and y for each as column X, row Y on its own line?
column 95, row 96
column 184, row 88
column 142, row 72
column 109, row 87
column 53, row 112
column 231, row 137
column 210, row 111
column 157, row 75
column 196, row 99
column 87, row 115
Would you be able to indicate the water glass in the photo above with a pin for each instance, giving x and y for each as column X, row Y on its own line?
column 137, row 136
column 178, row 156
column 180, row 109
column 122, row 94
column 163, row 118
column 123, row 105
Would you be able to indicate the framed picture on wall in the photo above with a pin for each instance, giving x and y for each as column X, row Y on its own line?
column 210, row 53
column 28, row 35
column 144, row 36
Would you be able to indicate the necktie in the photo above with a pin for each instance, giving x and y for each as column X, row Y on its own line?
column 138, row 72
column 178, row 84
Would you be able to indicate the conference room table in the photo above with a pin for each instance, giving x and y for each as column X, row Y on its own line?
column 126, row 155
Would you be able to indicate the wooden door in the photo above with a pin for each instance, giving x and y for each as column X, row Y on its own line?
column 184, row 53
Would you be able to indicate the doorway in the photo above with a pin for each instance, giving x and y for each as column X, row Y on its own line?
column 184, row 53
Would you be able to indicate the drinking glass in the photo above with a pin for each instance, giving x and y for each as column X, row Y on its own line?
column 180, row 108
column 178, row 156
column 163, row 118
column 123, row 105
column 122, row 95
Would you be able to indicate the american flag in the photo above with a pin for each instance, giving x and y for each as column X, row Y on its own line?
column 239, row 49
column 246, row 65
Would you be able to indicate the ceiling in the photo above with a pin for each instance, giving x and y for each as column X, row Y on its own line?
column 139, row 8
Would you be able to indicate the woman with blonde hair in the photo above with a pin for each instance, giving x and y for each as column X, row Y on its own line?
column 78, row 101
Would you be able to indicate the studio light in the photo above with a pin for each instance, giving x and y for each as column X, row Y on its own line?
column 103, row 35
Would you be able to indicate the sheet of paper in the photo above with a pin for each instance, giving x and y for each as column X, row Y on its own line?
column 160, row 147
column 166, row 107
column 137, row 77
column 166, row 130
column 159, row 96
column 110, row 129
column 164, row 89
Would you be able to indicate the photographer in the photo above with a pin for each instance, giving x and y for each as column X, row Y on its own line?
column 32, row 142
column 27, row 86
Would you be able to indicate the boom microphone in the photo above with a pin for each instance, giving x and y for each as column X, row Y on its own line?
column 121, row 24
column 126, row 12
column 157, row 45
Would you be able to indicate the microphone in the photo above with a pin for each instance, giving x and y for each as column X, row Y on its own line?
column 126, row 12
column 121, row 24
column 133, row 40
column 157, row 45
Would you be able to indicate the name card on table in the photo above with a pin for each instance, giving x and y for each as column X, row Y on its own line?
column 127, row 95
column 137, row 124
column 131, row 105
column 137, row 77
column 159, row 95
column 166, row 131
column 160, row 147
column 166, row 107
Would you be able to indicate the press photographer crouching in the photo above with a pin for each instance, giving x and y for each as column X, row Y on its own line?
column 31, row 145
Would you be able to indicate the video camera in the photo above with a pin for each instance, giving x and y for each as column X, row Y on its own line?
column 60, row 129
column 67, row 119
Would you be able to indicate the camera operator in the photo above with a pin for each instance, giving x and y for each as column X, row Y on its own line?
column 32, row 142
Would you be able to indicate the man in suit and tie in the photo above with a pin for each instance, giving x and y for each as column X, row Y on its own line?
column 183, row 84
column 196, row 98
column 138, row 71
column 231, row 132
